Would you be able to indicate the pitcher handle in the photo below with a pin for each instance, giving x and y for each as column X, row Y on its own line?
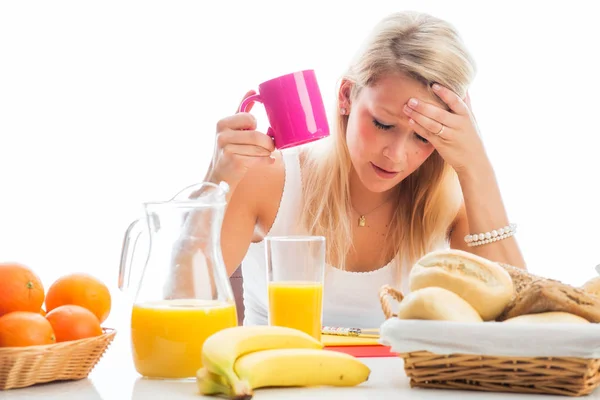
column 134, row 230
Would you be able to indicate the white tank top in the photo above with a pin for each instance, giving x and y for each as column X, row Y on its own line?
column 350, row 299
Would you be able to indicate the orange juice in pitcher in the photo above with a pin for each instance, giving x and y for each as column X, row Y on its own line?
column 184, row 294
column 167, row 334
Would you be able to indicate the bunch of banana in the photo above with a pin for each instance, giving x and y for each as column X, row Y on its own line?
column 239, row 359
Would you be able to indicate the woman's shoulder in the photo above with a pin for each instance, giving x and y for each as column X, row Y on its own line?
column 264, row 181
column 263, row 186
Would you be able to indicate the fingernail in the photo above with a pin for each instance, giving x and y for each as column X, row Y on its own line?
column 411, row 121
column 436, row 87
column 407, row 110
column 413, row 102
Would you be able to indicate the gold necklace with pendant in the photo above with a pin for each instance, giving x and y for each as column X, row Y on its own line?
column 362, row 220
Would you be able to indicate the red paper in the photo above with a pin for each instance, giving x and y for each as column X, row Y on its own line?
column 364, row 351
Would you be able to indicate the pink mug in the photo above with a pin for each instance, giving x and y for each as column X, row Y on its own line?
column 294, row 108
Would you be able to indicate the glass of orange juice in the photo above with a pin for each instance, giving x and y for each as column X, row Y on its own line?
column 295, row 275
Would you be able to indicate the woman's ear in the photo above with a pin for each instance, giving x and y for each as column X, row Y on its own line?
column 344, row 96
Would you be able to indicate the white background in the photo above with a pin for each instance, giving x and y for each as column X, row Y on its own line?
column 107, row 104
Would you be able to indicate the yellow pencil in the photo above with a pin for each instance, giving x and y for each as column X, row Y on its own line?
column 356, row 332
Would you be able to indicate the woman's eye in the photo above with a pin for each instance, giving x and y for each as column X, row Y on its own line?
column 381, row 126
column 421, row 138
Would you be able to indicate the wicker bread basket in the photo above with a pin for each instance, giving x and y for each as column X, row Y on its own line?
column 567, row 376
column 27, row 366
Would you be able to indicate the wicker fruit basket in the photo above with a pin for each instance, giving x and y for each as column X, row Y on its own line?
column 567, row 376
column 26, row 366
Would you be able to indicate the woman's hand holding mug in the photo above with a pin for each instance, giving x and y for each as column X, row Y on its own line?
column 239, row 147
column 296, row 115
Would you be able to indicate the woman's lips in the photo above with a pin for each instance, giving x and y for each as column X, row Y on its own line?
column 385, row 174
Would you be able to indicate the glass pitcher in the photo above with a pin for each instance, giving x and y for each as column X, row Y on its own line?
column 183, row 294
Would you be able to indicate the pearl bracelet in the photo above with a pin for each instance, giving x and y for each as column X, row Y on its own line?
column 489, row 237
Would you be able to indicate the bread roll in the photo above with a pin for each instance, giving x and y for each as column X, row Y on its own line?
column 549, row 317
column 482, row 283
column 592, row 286
column 434, row 303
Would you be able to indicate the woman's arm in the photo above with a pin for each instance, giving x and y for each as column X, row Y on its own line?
column 250, row 199
column 455, row 135
column 483, row 211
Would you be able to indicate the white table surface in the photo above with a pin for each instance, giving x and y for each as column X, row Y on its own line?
column 115, row 378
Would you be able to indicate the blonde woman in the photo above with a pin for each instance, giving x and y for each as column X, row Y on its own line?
column 404, row 172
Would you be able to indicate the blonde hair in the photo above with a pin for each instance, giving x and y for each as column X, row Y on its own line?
column 428, row 50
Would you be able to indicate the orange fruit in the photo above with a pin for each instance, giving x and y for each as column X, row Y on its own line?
column 20, row 289
column 81, row 290
column 42, row 312
column 72, row 322
column 24, row 328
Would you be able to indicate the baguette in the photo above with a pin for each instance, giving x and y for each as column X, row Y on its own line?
column 521, row 278
column 547, row 295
